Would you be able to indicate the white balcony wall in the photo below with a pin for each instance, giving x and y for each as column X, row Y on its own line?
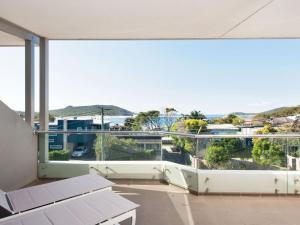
column 181, row 176
column 63, row 169
column 18, row 150
column 242, row 181
column 293, row 182
column 109, row 169
column 195, row 180
column 136, row 170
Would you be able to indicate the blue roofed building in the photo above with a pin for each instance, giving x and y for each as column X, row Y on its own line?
column 63, row 141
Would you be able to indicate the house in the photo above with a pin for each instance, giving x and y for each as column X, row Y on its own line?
column 278, row 121
column 64, row 141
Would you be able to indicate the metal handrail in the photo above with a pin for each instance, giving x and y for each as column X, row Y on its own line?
column 164, row 133
column 248, row 136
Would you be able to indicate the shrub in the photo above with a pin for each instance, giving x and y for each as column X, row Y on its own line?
column 216, row 154
column 266, row 153
column 295, row 153
column 121, row 149
column 59, row 155
column 148, row 154
column 267, row 129
column 232, row 145
column 293, row 147
column 293, row 150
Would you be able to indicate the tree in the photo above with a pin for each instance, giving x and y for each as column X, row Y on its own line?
column 129, row 123
column 150, row 120
column 267, row 129
column 195, row 125
column 229, row 119
column 169, row 117
column 192, row 126
column 196, row 115
column 237, row 121
column 51, row 118
column 185, row 144
column 189, row 125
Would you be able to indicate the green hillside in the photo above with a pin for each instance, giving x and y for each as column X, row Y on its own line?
column 109, row 110
column 244, row 115
column 279, row 112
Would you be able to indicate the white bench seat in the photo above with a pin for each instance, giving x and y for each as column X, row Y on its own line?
column 36, row 196
column 102, row 207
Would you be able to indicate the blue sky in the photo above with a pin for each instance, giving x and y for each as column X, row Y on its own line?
column 212, row 76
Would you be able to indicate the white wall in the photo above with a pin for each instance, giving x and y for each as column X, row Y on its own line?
column 196, row 180
column 181, row 176
column 110, row 169
column 242, row 181
column 18, row 150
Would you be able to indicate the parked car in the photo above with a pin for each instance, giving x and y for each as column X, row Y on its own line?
column 79, row 151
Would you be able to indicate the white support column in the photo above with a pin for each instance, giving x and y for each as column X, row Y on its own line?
column 30, row 40
column 29, row 82
column 44, row 99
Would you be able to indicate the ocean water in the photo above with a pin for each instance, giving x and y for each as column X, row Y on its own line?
column 121, row 119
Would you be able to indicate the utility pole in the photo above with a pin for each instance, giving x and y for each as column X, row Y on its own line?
column 102, row 119
column 102, row 135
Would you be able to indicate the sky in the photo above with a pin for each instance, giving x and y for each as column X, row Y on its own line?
column 213, row 76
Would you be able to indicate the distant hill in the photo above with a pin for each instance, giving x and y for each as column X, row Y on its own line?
column 279, row 112
column 91, row 110
column 244, row 115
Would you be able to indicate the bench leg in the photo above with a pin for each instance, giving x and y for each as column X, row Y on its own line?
column 115, row 221
column 133, row 218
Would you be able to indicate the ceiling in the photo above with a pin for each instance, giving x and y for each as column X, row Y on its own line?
column 154, row 19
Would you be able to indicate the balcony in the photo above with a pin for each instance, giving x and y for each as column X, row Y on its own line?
column 257, row 181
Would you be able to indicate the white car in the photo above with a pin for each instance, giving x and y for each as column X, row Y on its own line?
column 79, row 151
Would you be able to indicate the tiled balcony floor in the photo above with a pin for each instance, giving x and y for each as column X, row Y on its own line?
column 168, row 205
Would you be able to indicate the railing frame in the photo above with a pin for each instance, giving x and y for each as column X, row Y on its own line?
column 164, row 133
column 196, row 180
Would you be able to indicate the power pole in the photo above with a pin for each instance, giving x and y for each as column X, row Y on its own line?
column 102, row 119
column 102, row 135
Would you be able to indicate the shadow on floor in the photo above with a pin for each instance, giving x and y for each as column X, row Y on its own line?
column 168, row 205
